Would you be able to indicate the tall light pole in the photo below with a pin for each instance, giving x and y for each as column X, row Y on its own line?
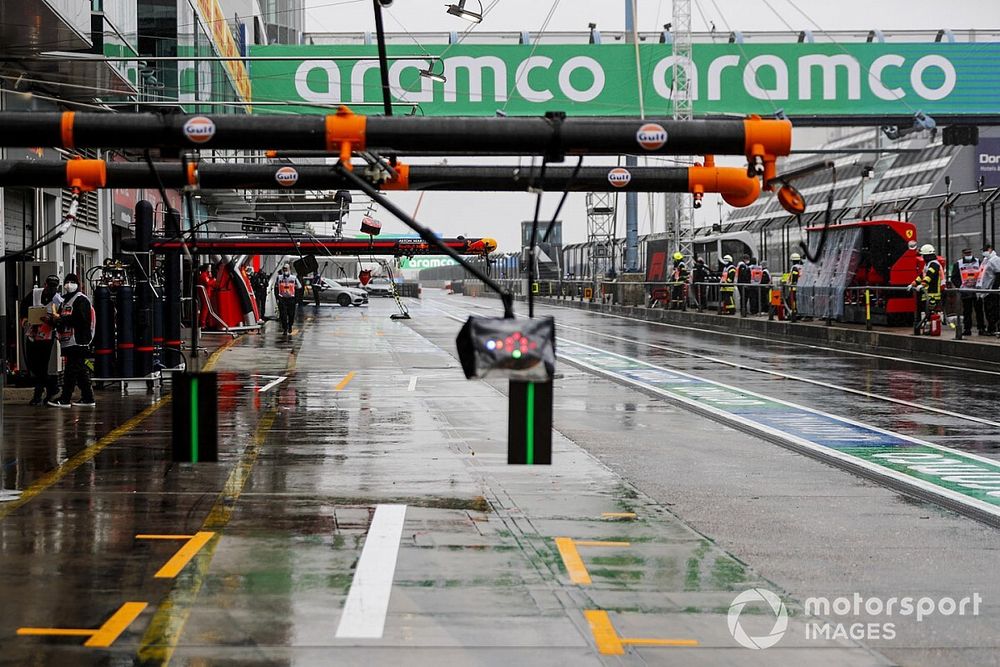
column 683, row 109
column 631, row 198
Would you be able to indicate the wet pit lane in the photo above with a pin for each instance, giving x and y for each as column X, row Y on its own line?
column 945, row 402
column 362, row 512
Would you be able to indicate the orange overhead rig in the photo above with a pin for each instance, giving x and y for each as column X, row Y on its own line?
column 762, row 141
column 736, row 187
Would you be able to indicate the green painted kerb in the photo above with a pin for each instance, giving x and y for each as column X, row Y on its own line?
column 194, row 420
column 530, row 425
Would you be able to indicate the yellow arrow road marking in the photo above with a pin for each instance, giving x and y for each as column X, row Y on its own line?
column 103, row 636
column 184, row 555
column 346, row 381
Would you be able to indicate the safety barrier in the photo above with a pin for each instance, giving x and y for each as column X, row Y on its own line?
column 706, row 297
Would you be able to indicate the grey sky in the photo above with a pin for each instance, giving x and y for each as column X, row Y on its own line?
column 499, row 214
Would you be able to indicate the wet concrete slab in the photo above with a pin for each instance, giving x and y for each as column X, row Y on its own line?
column 478, row 576
column 809, row 528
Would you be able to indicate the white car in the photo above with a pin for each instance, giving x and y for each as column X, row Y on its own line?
column 379, row 287
column 334, row 292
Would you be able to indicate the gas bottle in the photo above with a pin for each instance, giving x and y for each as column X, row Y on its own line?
column 935, row 324
column 124, row 300
column 104, row 333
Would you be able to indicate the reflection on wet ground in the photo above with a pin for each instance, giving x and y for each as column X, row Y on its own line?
column 253, row 560
column 755, row 365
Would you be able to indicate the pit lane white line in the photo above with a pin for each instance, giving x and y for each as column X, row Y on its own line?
column 784, row 376
column 368, row 601
column 821, row 451
column 413, row 383
column 272, row 384
column 974, row 507
column 969, row 369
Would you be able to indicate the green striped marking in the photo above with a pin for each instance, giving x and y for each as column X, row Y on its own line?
column 530, row 425
column 194, row 420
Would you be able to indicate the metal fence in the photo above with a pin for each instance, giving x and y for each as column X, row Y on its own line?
column 774, row 301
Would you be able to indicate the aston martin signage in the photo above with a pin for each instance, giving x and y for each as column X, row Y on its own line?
column 582, row 79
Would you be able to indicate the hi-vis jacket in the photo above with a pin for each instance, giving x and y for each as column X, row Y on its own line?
column 728, row 276
column 287, row 285
column 680, row 272
column 965, row 274
column 38, row 333
column 76, row 321
column 930, row 281
column 794, row 274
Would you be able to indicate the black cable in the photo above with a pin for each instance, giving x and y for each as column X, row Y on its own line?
column 562, row 200
column 429, row 237
column 159, row 181
column 548, row 232
column 291, row 237
column 57, row 233
column 179, row 236
column 827, row 220
column 88, row 276
column 383, row 61
column 20, row 254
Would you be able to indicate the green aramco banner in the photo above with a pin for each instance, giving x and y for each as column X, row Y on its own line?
column 596, row 80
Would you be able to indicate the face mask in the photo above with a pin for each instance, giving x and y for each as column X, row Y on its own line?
column 285, row 272
column 71, row 288
column 968, row 258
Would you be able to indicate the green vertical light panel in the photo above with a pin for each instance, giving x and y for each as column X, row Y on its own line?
column 194, row 420
column 529, row 423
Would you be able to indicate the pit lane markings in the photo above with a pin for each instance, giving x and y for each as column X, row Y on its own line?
column 368, row 600
column 610, row 643
column 103, row 636
column 272, row 384
column 784, row 376
column 577, row 571
column 165, row 628
column 964, row 482
column 191, row 547
column 54, row 476
column 970, row 369
column 787, row 376
column 345, row 381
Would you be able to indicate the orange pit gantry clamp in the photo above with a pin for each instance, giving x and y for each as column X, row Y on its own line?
column 765, row 141
column 736, row 187
column 86, row 175
column 345, row 133
column 402, row 179
column 191, row 172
